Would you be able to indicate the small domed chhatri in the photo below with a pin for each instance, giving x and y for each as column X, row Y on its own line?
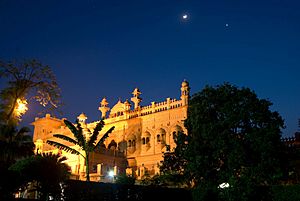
column 82, row 117
column 127, row 105
column 185, row 83
column 141, row 135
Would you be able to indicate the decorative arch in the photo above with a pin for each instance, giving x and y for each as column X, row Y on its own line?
column 131, row 143
column 146, row 137
column 175, row 129
column 131, row 140
column 161, row 136
column 122, row 146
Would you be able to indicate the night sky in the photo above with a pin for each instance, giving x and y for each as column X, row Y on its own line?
column 107, row 48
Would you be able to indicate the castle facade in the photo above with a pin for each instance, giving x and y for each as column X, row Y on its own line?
column 141, row 135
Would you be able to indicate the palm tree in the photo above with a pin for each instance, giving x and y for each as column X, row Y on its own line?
column 87, row 145
column 14, row 144
column 44, row 171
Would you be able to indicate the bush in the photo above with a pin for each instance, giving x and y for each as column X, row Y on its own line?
column 125, row 179
column 286, row 193
column 95, row 191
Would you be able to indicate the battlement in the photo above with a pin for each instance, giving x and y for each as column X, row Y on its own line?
column 292, row 141
column 122, row 111
column 169, row 104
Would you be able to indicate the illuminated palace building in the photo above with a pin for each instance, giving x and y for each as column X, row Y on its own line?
column 141, row 135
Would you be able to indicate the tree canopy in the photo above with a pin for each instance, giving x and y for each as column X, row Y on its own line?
column 233, row 139
column 45, row 171
column 26, row 81
column 174, row 163
column 14, row 144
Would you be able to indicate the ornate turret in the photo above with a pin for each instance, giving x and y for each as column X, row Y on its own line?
column 103, row 108
column 127, row 105
column 185, row 92
column 136, row 99
column 81, row 118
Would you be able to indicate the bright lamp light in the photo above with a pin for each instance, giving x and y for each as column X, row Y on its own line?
column 111, row 173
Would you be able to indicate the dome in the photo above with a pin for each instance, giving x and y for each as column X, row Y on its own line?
column 127, row 102
column 118, row 108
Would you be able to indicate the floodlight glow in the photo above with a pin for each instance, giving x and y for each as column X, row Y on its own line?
column 224, row 185
column 111, row 173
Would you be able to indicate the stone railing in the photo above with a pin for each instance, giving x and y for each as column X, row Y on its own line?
column 146, row 110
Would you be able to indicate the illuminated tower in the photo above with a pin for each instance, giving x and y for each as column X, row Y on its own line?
column 103, row 108
column 127, row 105
column 136, row 99
column 185, row 92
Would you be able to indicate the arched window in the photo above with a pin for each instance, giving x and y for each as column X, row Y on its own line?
column 122, row 145
column 129, row 143
column 163, row 138
column 158, row 138
column 146, row 138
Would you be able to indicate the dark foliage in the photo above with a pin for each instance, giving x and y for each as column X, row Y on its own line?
column 14, row 145
column 125, row 179
column 234, row 139
column 44, row 171
column 174, row 163
column 93, row 191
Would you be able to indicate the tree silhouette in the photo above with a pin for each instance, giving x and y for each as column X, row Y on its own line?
column 174, row 162
column 44, row 171
column 14, row 144
column 26, row 80
column 87, row 144
column 234, row 138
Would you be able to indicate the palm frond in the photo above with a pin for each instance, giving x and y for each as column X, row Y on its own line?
column 22, row 135
column 62, row 159
column 63, row 147
column 99, row 126
column 24, row 130
column 71, row 127
column 104, row 136
column 66, row 138
column 95, row 134
column 79, row 135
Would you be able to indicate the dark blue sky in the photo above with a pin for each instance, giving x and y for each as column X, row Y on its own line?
column 107, row 48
